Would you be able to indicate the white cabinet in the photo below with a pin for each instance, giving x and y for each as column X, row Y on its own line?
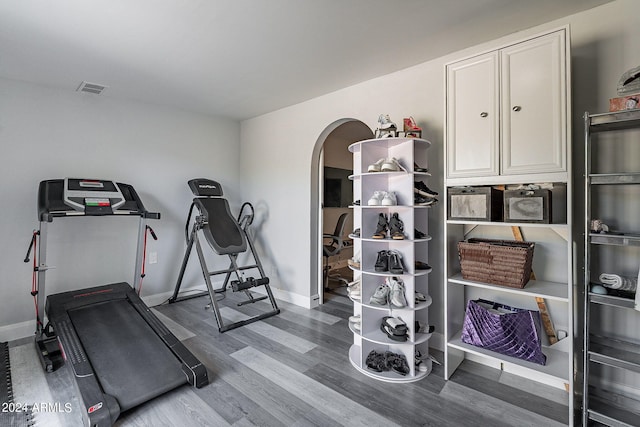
column 506, row 125
column 369, row 337
column 507, row 110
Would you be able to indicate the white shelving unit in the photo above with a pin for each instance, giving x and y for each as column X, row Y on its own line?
column 487, row 106
column 608, row 350
column 408, row 151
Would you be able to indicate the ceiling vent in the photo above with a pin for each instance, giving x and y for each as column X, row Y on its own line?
column 94, row 88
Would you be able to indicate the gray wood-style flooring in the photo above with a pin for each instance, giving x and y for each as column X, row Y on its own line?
column 293, row 370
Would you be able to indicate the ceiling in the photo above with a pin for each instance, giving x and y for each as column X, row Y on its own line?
column 242, row 58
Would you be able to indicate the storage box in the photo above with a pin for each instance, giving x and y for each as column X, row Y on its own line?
column 527, row 206
column 475, row 203
column 623, row 103
column 500, row 262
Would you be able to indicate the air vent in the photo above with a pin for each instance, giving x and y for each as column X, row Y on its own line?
column 91, row 88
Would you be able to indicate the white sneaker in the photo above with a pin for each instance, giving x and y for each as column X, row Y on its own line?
column 391, row 165
column 376, row 199
column 396, row 295
column 354, row 261
column 384, row 122
column 376, row 166
column 389, row 199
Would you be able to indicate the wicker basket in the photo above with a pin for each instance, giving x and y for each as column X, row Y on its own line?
column 500, row 262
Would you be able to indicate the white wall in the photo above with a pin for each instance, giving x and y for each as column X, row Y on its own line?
column 51, row 134
column 276, row 153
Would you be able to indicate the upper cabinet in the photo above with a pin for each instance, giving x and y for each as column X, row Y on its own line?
column 507, row 112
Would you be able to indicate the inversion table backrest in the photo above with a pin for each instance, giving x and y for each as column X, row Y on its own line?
column 222, row 231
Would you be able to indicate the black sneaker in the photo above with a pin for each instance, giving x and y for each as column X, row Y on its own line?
column 395, row 262
column 417, row 234
column 421, row 189
column 382, row 263
column 396, row 227
column 419, row 200
column 381, row 228
column 356, row 233
column 422, row 266
column 356, row 203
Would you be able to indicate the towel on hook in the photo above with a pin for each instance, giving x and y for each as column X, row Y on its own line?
column 621, row 283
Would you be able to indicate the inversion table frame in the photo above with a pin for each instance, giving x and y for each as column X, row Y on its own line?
column 226, row 236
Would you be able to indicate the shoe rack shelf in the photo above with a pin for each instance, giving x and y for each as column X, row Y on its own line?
column 611, row 356
column 369, row 336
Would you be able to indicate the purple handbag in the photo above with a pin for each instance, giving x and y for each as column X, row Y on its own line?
column 506, row 330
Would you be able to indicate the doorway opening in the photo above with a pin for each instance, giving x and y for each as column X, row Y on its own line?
column 331, row 197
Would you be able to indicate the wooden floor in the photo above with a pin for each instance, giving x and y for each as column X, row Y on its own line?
column 293, row 370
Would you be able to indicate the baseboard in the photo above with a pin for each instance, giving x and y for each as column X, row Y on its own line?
column 17, row 331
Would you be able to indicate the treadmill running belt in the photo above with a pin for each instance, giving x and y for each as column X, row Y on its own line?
column 131, row 362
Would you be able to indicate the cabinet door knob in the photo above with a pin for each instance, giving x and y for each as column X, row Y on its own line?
column 517, row 108
column 484, row 114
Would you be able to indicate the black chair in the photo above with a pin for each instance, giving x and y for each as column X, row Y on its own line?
column 335, row 246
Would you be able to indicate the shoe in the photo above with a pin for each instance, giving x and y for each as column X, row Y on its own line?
column 384, row 122
column 422, row 266
column 396, row 227
column 375, row 167
column 421, row 189
column 381, row 228
column 380, row 296
column 354, row 261
column 419, row 200
column 424, row 328
column 411, row 129
column 355, row 233
column 417, row 168
column 394, row 328
column 392, row 165
column 420, row 297
column 420, row 361
column 355, row 322
column 356, row 203
column 417, row 234
column 395, row 262
column 396, row 293
column 354, row 286
column 376, row 199
column 397, row 363
column 389, row 199
column 382, row 262
column 376, row 362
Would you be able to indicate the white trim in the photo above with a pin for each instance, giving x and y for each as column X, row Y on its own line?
column 17, row 330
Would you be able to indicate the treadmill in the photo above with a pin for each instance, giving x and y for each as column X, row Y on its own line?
column 120, row 354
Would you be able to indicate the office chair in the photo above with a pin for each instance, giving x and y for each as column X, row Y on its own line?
column 334, row 248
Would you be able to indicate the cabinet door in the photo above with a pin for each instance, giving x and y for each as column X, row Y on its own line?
column 533, row 106
column 472, row 117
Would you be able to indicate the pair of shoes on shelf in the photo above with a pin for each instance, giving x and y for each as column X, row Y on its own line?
column 420, row 297
column 421, row 188
column 421, row 361
column 394, row 225
column 386, row 128
column 394, row 328
column 411, row 128
column 390, row 164
column 387, row 361
column 391, row 292
column 356, row 322
column 383, row 198
column 389, row 260
column 417, row 168
column 355, row 233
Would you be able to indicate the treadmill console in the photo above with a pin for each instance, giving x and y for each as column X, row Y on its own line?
column 92, row 196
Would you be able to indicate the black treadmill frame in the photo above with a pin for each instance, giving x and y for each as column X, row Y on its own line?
column 100, row 409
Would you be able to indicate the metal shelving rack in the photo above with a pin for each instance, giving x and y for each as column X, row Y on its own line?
column 615, row 353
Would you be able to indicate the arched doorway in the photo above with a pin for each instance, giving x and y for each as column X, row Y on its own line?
column 332, row 145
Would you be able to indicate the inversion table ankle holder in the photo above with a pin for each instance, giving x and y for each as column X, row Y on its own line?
column 226, row 236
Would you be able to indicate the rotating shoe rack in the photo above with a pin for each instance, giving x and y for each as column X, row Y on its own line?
column 369, row 337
